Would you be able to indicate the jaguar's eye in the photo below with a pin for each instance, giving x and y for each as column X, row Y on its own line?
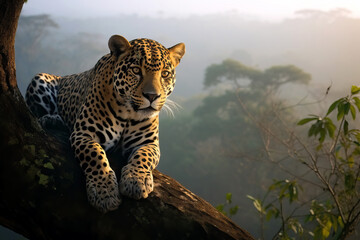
column 165, row 74
column 136, row 70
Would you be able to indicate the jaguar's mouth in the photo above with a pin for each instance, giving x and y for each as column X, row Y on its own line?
column 147, row 109
column 147, row 112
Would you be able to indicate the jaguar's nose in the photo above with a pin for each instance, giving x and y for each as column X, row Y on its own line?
column 151, row 96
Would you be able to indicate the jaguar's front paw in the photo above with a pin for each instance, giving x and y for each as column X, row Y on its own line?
column 136, row 184
column 103, row 193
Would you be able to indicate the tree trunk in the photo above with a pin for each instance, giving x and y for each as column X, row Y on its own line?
column 9, row 16
column 42, row 188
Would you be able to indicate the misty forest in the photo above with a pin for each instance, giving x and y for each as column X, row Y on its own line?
column 264, row 119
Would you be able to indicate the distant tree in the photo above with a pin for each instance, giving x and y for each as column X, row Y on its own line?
column 230, row 70
column 241, row 75
column 326, row 15
column 31, row 31
column 276, row 76
column 40, row 48
column 30, row 55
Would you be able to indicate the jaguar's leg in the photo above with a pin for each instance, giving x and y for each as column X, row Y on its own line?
column 41, row 98
column 101, row 183
column 136, row 177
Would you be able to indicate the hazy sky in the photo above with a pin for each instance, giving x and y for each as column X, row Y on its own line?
column 258, row 9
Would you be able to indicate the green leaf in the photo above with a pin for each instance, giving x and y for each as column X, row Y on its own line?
column 43, row 179
column 276, row 184
column 314, row 129
column 228, row 197
column 347, row 108
column 340, row 221
column 220, row 207
column 269, row 215
column 355, row 90
column 353, row 111
column 293, row 192
column 356, row 151
column 330, row 127
column 349, row 181
column 341, row 111
column 333, row 106
column 322, row 135
column 334, row 223
column 357, row 102
column 326, row 229
column 283, row 189
column 276, row 212
column 30, row 148
column 48, row 165
column 309, row 218
column 233, row 210
column 257, row 204
column 306, row 120
column 295, row 226
column 251, row 197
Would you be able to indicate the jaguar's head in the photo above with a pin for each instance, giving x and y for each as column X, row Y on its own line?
column 144, row 73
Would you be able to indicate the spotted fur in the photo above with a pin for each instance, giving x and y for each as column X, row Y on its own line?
column 115, row 102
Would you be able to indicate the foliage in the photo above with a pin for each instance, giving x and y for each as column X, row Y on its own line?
column 230, row 70
column 268, row 80
column 227, row 208
column 334, row 164
column 274, row 208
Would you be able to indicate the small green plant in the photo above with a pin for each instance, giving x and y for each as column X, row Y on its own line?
column 281, row 193
column 227, row 208
column 334, row 164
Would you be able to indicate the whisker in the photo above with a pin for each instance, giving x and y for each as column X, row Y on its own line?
column 170, row 106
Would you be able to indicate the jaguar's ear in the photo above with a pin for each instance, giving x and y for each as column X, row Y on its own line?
column 118, row 45
column 176, row 53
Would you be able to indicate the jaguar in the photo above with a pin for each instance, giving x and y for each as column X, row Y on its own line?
column 115, row 103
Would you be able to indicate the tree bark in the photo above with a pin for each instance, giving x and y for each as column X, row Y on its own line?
column 42, row 188
column 9, row 15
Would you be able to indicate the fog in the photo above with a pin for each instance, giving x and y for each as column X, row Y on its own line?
column 325, row 44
